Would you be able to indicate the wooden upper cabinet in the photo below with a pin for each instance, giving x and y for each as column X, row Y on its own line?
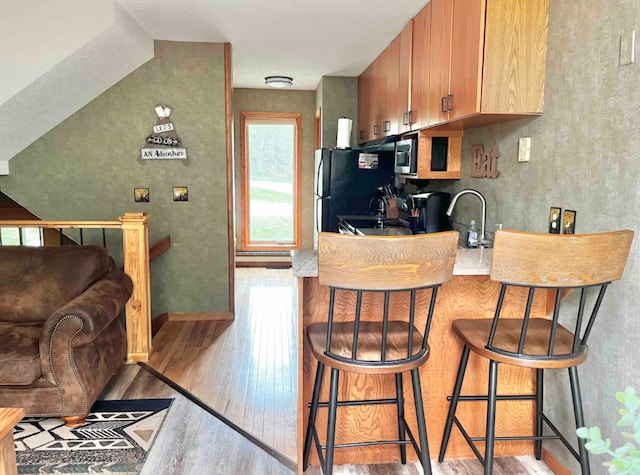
column 391, row 77
column 386, row 85
column 515, row 56
column 466, row 58
column 440, row 61
column 364, row 105
column 404, row 86
column 498, row 56
column 421, row 51
column 458, row 64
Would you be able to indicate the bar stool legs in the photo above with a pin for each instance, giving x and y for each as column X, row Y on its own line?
column 577, row 408
column 539, row 412
column 313, row 411
column 492, row 398
column 422, row 425
column 454, row 402
column 311, row 435
column 402, row 430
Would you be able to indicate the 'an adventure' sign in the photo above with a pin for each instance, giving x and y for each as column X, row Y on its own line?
column 164, row 142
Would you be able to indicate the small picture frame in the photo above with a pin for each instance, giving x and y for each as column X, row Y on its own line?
column 180, row 193
column 569, row 222
column 141, row 195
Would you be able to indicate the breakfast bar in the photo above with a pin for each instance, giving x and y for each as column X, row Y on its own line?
column 469, row 294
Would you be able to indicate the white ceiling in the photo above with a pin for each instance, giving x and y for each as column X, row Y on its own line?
column 305, row 39
column 51, row 52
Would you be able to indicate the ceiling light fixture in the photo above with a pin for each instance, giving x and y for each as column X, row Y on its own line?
column 278, row 81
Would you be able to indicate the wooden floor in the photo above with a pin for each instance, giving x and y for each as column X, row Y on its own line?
column 246, row 370
column 191, row 441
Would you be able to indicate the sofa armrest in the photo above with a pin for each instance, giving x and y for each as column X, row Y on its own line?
column 86, row 316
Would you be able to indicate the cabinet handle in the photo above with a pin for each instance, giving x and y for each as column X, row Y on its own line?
column 405, row 118
column 386, row 126
column 375, row 129
column 449, row 102
column 410, row 118
column 362, row 135
column 443, row 106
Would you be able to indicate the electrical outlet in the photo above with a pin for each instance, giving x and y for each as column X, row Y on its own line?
column 569, row 222
column 554, row 220
column 524, row 149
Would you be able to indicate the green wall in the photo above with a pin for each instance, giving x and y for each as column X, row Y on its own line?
column 87, row 167
column 267, row 100
column 584, row 157
column 337, row 97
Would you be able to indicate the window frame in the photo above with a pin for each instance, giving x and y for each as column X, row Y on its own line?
column 246, row 119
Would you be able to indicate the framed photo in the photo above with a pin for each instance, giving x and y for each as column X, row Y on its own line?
column 180, row 193
column 569, row 222
column 141, row 195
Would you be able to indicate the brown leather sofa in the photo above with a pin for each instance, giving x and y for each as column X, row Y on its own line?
column 61, row 339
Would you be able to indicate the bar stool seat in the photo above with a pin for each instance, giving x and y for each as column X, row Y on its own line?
column 475, row 334
column 375, row 284
column 368, row 348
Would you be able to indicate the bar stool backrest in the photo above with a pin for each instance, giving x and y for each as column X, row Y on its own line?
column 584, row 262
column 384, row 265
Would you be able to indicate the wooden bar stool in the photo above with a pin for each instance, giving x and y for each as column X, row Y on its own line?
column 399, row 271
column 585, row 264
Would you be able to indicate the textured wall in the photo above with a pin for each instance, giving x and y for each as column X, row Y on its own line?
column 267, row 100
column 87, row 167
column 584, row 156
column 339, row 98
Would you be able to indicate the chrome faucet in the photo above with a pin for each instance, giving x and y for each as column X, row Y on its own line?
column 482, row 241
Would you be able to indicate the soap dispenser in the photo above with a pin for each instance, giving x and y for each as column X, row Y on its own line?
column 472, row 235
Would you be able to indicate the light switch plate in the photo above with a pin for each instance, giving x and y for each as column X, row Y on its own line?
column 524, row 149
column 627, row 47
column 554, row 220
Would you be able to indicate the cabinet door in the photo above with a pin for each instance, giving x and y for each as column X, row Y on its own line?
column 375, row 130
column 421, row 45
column 365, row 99
column 404, row 86
column 515, row 56
column 467, row 40
column 391, row 96
column 439, row 60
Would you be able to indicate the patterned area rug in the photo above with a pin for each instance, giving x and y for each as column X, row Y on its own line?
column 115, row 439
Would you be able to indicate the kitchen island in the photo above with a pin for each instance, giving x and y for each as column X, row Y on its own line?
column 469, row 294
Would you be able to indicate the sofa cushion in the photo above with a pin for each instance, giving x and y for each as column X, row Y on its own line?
column 36, row 281
column 19, row 353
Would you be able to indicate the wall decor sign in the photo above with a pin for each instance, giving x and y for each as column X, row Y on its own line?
column 485, row 164
column 164, row 142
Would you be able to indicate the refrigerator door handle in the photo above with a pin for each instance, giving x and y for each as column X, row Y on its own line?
column 318, row 217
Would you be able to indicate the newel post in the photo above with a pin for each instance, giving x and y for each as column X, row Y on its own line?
column 135, row 244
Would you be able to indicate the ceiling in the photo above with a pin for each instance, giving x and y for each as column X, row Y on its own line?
column 57, row 56
column 304, row 39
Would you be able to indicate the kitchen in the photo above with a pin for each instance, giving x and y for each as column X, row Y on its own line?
column 560, row 172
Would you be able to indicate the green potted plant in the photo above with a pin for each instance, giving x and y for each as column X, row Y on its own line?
column 626, row 458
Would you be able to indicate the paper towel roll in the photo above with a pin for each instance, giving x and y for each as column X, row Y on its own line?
column 344, row 133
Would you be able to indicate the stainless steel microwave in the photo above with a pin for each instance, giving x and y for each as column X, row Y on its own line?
column 406, row 156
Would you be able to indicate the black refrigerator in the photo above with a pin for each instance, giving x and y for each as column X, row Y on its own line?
column 346, row 181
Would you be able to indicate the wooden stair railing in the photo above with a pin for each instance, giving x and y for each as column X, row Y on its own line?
column 135, row 249
column 160, row 247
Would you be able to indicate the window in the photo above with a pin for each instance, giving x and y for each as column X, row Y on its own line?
column 21, row 237
column 271, row 144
